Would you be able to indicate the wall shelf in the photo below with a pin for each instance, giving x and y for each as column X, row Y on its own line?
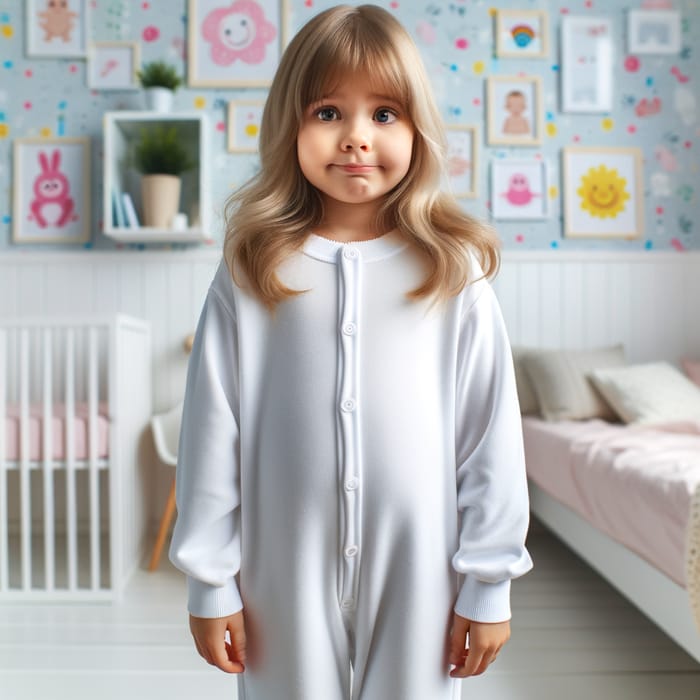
column 121, row 131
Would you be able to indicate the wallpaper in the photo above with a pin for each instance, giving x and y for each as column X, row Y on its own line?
column 650, row 103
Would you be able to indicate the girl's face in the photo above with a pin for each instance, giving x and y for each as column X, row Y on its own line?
column 354, row 145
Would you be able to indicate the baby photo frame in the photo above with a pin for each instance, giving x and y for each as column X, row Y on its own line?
column 519, row 188
column 653, row 31
column 113, row 65
column 522, row 33
column 603, row 192
column 51, row 195
column 235, row 45
column 56, row 29
column 462, row 159
column 243, row 127
column 515, row 111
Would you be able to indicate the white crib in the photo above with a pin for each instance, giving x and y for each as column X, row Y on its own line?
column 75, row 401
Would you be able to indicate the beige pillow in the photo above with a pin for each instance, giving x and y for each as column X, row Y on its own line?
column 563, row 390
column 526, row 392
column 650, row 393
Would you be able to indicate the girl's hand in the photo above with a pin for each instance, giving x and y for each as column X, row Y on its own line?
column 210, row 639
column 485, row 641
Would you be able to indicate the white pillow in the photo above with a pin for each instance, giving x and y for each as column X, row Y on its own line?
column 649, row 393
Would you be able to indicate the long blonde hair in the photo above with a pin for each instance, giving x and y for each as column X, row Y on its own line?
column 273, row 213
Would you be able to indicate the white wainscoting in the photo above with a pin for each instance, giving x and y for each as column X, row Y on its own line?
column 649, row 301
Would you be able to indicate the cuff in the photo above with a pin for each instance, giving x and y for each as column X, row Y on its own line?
column 482, row 601
column 205, row 600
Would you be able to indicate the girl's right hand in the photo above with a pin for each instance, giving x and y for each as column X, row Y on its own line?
column 210, row 639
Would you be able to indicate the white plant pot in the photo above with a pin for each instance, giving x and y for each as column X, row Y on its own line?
column 159, row 99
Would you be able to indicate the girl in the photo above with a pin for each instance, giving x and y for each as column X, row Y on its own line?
column 351, row 486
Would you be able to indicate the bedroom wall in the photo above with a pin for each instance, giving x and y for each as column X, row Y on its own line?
column 49, row 97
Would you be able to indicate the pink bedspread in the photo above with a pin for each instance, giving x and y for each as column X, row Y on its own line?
column 36, row 426
column 634, row 483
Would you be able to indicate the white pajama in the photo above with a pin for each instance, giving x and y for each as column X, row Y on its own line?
column 350, row 474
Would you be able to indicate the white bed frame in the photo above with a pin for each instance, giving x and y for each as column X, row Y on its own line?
column 661, row 599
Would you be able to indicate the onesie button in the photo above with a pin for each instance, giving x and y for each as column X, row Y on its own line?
column 351, row 551
column 351, row 484
column 350, row 253
column 348, row 405
column 349, row 328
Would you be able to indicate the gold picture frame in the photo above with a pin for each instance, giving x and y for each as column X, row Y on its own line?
column 515, row 110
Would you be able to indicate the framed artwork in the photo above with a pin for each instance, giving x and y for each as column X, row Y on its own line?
column 603, row 192
column 462, row 160
column 519, row 188
column 51, row 195
column 56, row 29
column 235, row 44
column 586, row 64
column 244, row 118
column 112, row 65
column 522, row 33
column 515, row 111
column 654, row 31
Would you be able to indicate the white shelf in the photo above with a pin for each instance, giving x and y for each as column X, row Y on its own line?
column 121, row 130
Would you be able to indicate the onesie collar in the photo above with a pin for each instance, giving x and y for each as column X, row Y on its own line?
column 327, row 249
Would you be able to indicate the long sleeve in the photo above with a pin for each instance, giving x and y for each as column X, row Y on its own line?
column 206, row 539
column 492, row 493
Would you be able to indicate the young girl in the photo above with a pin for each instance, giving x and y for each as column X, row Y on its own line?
column 351, row 491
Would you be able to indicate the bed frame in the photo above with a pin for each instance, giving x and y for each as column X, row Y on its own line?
column 661, row 599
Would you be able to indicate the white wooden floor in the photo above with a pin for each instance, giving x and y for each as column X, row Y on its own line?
column 573, row 637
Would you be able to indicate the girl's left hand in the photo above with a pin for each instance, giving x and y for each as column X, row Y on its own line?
column 485, row 641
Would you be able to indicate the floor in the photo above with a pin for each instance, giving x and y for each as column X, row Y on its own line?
column 573, row 637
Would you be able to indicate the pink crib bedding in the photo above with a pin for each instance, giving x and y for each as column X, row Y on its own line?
column 635, row 484
column 58, row 427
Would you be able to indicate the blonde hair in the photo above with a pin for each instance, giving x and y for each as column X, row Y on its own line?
column 271, row 216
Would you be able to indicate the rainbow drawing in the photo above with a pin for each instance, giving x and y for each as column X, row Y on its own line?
column 522, row 35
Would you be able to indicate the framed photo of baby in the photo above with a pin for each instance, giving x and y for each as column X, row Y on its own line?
column 51, row 195
column 515, row 112
column 235, row 43
column 56, row 28
column 462, row 160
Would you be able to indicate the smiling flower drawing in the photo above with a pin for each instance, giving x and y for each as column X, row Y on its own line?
column 603, row 192
column 239, row 31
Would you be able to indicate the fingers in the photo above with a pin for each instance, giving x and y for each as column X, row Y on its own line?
column 485, row 642
column 210, row 640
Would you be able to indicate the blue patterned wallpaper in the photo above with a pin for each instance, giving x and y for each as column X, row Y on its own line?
column 655, row 104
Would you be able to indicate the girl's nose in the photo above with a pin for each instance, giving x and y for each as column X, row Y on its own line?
column 355, row 138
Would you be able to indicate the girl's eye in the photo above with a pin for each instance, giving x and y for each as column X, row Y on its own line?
column 327, row 114
column 385, row 116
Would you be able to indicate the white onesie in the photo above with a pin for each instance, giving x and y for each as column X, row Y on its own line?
column 350, row 473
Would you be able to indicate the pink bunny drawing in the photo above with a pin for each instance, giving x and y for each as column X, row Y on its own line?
column 51, row 187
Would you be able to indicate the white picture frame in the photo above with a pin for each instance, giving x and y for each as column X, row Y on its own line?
column 462, row 160
column 653, row 31
column 519, row 188
column 603, row 192
column 522, row 33
column 243, row 125
column 51, row 190
column 249, row 58
column 113, row 65
column 515, row 110
column 586, row 64
column 60, row 32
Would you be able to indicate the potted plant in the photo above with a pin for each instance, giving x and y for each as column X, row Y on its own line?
column 160, row 81
column 161, row 157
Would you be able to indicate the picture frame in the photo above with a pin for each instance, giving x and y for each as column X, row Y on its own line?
column 243, row 125
column 603, row 192
column 59, row 32
column 586, row 64
column 515, row 110
column 250, row 58
column 51, row 190
column 519, row 188
column 462, row 159
column 522, row 33
column 113, row 65
column 653, row 31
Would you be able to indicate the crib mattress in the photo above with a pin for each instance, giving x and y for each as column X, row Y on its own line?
column 59, row 424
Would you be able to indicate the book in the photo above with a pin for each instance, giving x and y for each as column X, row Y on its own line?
column 118, row 216
column 131, row 218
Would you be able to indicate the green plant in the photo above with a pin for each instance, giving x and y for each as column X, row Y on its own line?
column 159, row 74
column 160, row 151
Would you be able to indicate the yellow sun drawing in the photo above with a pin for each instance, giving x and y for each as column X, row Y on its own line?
column 603, row 192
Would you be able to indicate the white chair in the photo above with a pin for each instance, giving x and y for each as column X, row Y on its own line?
column 166, row 434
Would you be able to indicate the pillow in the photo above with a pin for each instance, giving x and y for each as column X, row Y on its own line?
column 650, row 393
column 526, row 392
column 692, row 369
column 563, row 390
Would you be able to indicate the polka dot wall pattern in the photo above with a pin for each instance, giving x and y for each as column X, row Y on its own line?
column 654, row 105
